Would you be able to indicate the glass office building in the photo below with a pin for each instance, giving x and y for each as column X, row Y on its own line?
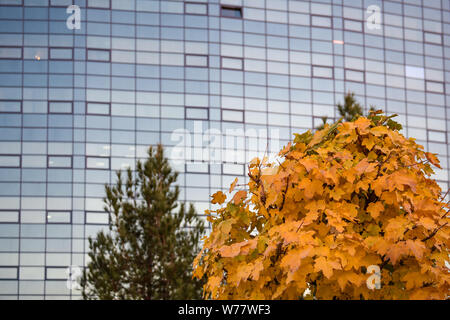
column 87, row 85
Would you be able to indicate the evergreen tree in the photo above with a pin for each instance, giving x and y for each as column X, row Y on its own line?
column 149, row 249
column 350, row 110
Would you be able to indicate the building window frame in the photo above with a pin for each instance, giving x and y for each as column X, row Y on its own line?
column 224, row 8
column 49, row 213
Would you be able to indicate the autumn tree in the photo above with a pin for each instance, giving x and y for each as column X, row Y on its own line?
column 354, row 197
column 147, row 252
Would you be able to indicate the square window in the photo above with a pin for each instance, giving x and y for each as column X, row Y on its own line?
column 414, row 72
column 192, row 60
column 60, row 107
column 321, row 21
column 11, row 52
column 97, row 149
column 196, row 8
column 8, row 273
column 354, row 75
column 103, row 4
column 59, row 161
column 233, row 169
column 353, row 25
column 9, row 216
column 232, row 115
column 197, row 167
column 98, row 108
column 10, row 106
column 10, row 161
column 98, row 55
column 59, row 216
column 232, row 63
column 98, row 163
column 430, row 37
column 11, row 2
column 231, row 12
column 435, row 86
column 60, row 3
column 197, row 113
column 437, row 136
column 97, row 218
column 60, row 53
column 322, row 72
column 55, row 273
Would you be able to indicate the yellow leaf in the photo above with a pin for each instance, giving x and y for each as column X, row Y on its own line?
column 292, row 260
column 368, row 142
column 311, row 187
column 416, row 247
column 364, row 166
column 414, row 279
column 235, row 248
column 218, row 197
column 226, row 226
column 326, row 266
column 309, row 164
column 239, row 196
column 258, row 267
column 432, row 157
column 243, row 273
column 396, row 227
column 379, row 130
column 233, row 185
column 363, row 124
column 427, row 222
column 344, row 277
column 318, row 136
column 375, row 208
column 396, row 250
column 399, row 179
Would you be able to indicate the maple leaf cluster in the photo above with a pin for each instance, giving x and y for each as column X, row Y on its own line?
column 352, row 195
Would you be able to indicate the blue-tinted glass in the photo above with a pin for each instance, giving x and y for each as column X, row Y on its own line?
column 76, row 105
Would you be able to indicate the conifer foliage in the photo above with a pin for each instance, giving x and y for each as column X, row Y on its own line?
column 150, row 246
column 341, row 203
column 350, row 110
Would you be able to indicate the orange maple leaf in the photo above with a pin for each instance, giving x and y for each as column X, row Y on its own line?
column 363, row 124
column 375, row 208
column 432, row 157
column 364, row 166
column 218, row 197
column 239, row 196
column 326, row 266
column 309, row 164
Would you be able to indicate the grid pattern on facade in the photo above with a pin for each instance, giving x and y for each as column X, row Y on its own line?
column 77, row 105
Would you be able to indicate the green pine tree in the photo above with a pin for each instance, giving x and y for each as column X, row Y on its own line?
column 350, row 110
column 149, row 249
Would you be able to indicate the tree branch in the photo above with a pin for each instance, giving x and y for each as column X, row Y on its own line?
column 434, row 232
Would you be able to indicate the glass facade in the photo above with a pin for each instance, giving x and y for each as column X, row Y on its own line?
column 87, row 85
